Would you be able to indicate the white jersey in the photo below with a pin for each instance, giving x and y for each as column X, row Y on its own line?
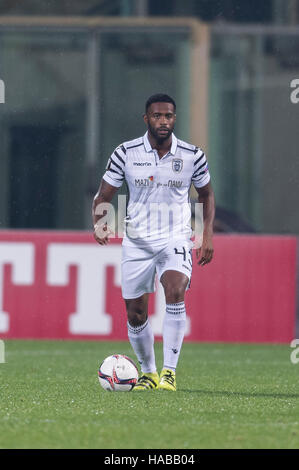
column 158, row 206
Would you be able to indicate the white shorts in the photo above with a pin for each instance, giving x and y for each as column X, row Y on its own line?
column 141, row 264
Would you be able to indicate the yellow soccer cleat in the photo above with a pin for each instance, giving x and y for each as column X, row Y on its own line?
column 167, row 380
column 148, row 381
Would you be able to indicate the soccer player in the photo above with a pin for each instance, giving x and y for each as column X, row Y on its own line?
column 158, row 169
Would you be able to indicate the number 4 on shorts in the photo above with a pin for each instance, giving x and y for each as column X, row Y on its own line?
column 177, row 252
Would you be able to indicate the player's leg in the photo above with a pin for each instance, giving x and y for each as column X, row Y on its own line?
column 142, row 341
column 174, row 324
column 140, row 332
column 138, row 275
column 174, row 270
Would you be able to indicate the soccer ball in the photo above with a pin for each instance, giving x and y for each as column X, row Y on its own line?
column 118, row 373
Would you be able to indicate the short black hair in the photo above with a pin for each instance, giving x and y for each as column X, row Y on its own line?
column 159, row 98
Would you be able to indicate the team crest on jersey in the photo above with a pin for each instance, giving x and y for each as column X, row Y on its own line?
column 177, row 165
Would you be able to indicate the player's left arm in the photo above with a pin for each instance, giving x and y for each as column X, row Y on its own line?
column 206, row 196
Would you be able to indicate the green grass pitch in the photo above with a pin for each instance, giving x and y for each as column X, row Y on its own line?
column 229, row 396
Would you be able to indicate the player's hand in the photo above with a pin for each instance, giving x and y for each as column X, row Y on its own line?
column 101, row 233
column 205, row 252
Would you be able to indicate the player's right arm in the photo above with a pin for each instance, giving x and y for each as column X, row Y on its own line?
column 111, row 182
column 104, row 195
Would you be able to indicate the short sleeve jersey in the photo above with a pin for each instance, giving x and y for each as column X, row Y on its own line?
column 158, row 205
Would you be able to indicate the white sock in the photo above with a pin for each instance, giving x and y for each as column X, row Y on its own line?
column 142, row 341
column 173, row 333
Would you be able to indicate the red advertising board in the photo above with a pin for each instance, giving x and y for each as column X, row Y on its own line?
column 64, row 285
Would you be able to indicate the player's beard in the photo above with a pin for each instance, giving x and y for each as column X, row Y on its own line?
column 158, row 137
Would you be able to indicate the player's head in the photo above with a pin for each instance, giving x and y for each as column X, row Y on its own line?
column 160, row 116
column 159, row 98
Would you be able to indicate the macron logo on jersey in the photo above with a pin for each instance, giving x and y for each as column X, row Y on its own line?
column 142, row 164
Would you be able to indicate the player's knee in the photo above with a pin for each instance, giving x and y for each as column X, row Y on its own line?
column 174, row 293
column 137, row 310
column 136, row 316
column 136, row 319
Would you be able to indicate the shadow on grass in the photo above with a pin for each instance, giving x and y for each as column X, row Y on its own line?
column 226, row 393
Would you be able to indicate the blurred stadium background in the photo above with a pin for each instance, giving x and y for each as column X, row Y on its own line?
column 77, row 75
